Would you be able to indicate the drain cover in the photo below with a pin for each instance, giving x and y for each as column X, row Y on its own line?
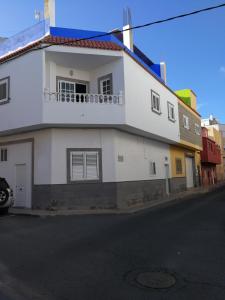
column 156, row 280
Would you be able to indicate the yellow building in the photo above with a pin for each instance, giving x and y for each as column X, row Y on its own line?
column 185, row 156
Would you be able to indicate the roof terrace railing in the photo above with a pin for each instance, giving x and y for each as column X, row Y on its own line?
column 24, row 38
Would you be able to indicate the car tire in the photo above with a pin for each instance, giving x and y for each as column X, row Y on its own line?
column 4, row 196
column 4, row 211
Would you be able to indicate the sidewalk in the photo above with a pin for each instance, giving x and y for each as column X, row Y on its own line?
column 186, row 195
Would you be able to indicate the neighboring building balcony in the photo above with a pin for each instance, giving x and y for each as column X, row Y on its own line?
column 211, row 151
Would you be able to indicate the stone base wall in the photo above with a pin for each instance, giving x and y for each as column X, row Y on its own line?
column 97, row 195
column 74, row 196
column 140, row 192
column 178, row 184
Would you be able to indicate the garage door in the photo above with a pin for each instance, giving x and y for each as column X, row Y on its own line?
column 17, row 170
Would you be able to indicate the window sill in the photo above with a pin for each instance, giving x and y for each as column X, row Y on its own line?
column 156, row 111
column 172, row 120
column 84, row 181
column 5, row 101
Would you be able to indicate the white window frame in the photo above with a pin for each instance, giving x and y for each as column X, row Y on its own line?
column 5, row 81
column 197, row 129
column 155, row 99
column 186, row 122
column 171, row 111
column 84, row 173
column 152, row 168
column 101, row 80
column 69, row 96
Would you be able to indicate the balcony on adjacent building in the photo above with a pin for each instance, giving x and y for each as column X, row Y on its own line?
column 211, row 151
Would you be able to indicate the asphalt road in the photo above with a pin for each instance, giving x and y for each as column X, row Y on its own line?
column 101, row 257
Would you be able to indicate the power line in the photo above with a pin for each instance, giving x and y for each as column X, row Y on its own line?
column 131, row 28
column 148, row 24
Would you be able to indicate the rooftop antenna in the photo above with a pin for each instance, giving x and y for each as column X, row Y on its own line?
column 49, row 8
column 127, row 20
column 37, row 15
column 127, row 27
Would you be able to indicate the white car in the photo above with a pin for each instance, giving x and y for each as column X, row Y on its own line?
column 6, row 196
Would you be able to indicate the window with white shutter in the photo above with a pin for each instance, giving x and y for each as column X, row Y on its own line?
column 186, row 122
column 4, row 90
column 84, row 165
column 77, row 166
column 156, row 102
column 171, row 112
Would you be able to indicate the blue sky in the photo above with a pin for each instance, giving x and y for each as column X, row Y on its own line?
column 193, row 48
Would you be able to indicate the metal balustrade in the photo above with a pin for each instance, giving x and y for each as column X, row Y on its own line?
column 69, row 97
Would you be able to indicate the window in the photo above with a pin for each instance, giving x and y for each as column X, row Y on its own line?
column 68, row 89
column 4, row 155
column 152, row 168
column 156, row 103
column 197, row 129
column 84, row 165
column 179, row 166
column 186, row 122
column 105, row 85
column 171, row 112
column 4, row 90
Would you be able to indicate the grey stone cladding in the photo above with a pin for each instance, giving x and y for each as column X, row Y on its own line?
column 189, row 135
column 178, row 184
column 97, row 195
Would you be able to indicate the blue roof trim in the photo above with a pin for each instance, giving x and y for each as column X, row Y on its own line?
column 83, row 34
column 153, row 69
column 156, row 69
column 77, row 33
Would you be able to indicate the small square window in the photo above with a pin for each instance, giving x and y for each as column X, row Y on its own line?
column 179, row 168
column 156, row 103
column 171, row 112
column 4, row 90
column 4, row 155
column 186, row 122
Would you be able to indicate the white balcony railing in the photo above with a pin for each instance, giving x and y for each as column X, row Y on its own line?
column 82, row 98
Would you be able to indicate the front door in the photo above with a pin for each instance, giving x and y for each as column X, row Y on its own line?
column 21, row 188
column 189, row 172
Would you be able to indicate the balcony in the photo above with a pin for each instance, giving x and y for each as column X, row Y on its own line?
column 211, row 152
column 80, row 108
column 76, row 98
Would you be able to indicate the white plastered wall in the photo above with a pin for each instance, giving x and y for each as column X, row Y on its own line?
column 26, row 91
column 134, row 154
column 81, row 138
column 137, row 152
column 138, row 86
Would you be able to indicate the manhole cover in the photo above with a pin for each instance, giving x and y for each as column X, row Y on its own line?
column 156, row 280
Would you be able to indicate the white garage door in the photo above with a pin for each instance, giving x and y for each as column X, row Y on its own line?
column 189, row 172
column 18, row 172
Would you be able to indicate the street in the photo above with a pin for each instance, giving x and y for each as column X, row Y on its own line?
column 101, row 257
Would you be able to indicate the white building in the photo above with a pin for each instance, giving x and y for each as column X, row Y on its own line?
column 83, row 124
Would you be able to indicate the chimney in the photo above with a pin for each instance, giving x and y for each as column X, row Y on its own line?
column 128, row 34
column 163, row 71
column 50, row 11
